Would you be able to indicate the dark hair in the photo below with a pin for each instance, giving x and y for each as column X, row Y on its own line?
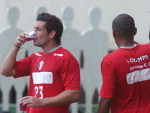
column 124, row 25
column 52, row 23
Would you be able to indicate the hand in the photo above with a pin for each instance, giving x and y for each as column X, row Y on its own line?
column 20, row 40
column 31, row 101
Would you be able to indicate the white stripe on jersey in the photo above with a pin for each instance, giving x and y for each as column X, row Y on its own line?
column 138, row 75
column 42, row 77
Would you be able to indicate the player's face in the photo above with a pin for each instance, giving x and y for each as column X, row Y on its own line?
column 42, row 35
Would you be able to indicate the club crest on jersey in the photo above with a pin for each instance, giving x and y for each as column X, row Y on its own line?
column 40, row 65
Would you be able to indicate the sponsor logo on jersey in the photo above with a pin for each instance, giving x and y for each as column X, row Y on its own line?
column 57, row 54
column 139, row 59
column 40, row 65
column 138, row 76
column 42, row 77
column 37, row 54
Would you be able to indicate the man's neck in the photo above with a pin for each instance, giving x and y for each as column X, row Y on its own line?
column 126, row 44
column 125, row 41
column 51, row 50
column 50, row 47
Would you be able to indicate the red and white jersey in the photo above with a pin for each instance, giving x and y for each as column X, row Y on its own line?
column 126, row 79
column 50, row 74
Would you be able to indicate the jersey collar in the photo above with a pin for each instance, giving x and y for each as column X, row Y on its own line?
column 128, row 47
column 52, row 49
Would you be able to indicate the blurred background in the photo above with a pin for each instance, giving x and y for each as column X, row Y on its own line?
column 87, row 34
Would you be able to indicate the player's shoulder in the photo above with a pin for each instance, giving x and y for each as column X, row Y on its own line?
column 144, row 45
column 62, row 52
column 120, row 52
column 113, row 56
column 37, row 54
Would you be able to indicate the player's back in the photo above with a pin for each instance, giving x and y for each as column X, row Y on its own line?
column 131, row 68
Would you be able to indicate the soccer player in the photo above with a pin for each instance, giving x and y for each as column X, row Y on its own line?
column 54, row 73
column 125, row 72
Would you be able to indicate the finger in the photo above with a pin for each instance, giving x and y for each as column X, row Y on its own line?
column 25, row 98
column 30, row 105
column 26, row 102
column 22, row 35
column 20, row 39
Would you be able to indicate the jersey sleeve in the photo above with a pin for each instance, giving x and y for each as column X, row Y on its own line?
column 109, row 81
column 70, row 73
column 22, row 67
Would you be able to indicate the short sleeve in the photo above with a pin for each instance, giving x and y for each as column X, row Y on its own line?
column 22, row 67
column 108, row 79
column 70, row 73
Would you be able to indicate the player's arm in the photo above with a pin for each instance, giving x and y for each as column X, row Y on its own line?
column 7, row 68
column 104, row 105
column 66, row 97
column 108, row 87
